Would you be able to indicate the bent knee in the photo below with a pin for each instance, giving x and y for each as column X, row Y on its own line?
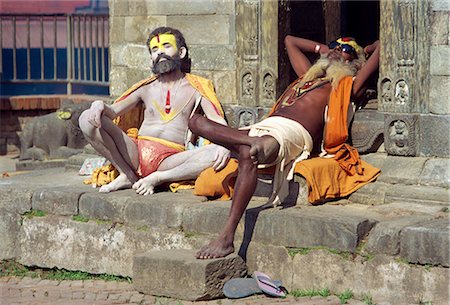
column 83, row 121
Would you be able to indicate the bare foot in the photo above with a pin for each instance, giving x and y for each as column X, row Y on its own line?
column 264, row 149
column 215, row 249
column 121, row 182
column 146, row 186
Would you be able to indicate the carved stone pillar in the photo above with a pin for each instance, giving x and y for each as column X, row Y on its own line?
column 404, row 72
column 257, row 55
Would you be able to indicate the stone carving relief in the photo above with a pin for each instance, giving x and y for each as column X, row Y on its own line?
column 400, row 136
column 248, row 86
column 268, row 87
column 246, row 117
column 386, row 90
column 402, row 94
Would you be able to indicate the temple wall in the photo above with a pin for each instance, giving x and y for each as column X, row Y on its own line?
column 435, row 126
column 440, row 58
column 208, row 27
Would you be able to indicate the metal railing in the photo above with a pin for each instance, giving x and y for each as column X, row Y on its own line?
column 54, row 48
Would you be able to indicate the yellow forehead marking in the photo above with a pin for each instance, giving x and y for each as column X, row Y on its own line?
column 160, row 40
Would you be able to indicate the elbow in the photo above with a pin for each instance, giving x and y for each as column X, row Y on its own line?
column 194, row 124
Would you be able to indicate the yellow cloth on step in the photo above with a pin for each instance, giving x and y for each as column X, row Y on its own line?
column 327, row 180
column 217, row 184
column 102, row 175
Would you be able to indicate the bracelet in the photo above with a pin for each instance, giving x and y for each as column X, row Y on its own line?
column 317, row 48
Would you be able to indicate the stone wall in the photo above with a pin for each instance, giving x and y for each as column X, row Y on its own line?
column 208, row 26
column 439, row 59
column 435, row 140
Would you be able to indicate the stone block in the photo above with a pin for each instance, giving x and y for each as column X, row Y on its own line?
column 224, row 81
column 398, row 209
column 105, row 206
column 401, row 170
column 426, row 243
column 93, row 246
column 9, row 228
column 439, row 95
column 136, row 56
column 15, row 201
column 367, row 130
column 58, row 200
column 116, row 54
column 159, row 209
column 218, row 26
column 28, row 165
column 209, row 217
column 195, row 7
column 401, row 133
column 439, row 60
column 212, row 57
column 385, row 237
column 416, row 193
column 178, row 274
column 122, row 78
column 117, row 31
column 120, row 7
column 138, row 28
column 335, row 227
column 387, row 279
column 436, row 172
column 371, row 194
column 434, row 139
column 440, row 28
column 274, row 260
column 440, row 5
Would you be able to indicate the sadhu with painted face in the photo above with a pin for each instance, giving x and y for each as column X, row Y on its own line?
column 311, row 115
column 155, row 114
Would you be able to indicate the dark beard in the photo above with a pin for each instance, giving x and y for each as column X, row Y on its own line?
column 166, row 66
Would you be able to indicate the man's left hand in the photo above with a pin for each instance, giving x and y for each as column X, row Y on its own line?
column 222, row 155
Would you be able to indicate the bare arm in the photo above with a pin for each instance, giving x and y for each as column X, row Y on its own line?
column 296, row 47
column 369, row 67
column 99, row 108
column 222, row 155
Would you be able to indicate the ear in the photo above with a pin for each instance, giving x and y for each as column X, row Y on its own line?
column 182, row 52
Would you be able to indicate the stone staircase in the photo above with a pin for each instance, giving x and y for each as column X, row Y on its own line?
column 390, row 239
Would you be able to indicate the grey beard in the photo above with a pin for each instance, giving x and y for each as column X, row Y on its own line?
column 166, row 66
column 333, row 70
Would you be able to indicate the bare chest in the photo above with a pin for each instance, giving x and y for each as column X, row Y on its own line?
column 163, row 105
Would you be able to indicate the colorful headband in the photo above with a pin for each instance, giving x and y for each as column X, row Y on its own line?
column 352, row 42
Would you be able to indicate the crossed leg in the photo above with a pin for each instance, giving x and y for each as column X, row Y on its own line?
column 251, row 150
column 112, row 143
column 186, row 165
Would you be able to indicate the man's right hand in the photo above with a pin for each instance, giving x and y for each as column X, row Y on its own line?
column 95, row 113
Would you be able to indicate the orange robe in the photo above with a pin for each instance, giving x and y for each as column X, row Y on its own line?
column 327, row 178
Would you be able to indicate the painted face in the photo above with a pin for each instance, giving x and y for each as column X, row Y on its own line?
column 163, row 43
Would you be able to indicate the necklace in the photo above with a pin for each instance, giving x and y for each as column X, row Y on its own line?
column 168, row 106
column 297, row 91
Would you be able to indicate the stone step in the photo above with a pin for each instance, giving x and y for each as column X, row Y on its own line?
column 178, row 274
column 92, row 246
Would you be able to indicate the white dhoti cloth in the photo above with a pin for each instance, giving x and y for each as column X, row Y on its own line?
column 295, row 145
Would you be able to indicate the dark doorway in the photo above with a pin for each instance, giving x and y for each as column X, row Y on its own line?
column 308, row 19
